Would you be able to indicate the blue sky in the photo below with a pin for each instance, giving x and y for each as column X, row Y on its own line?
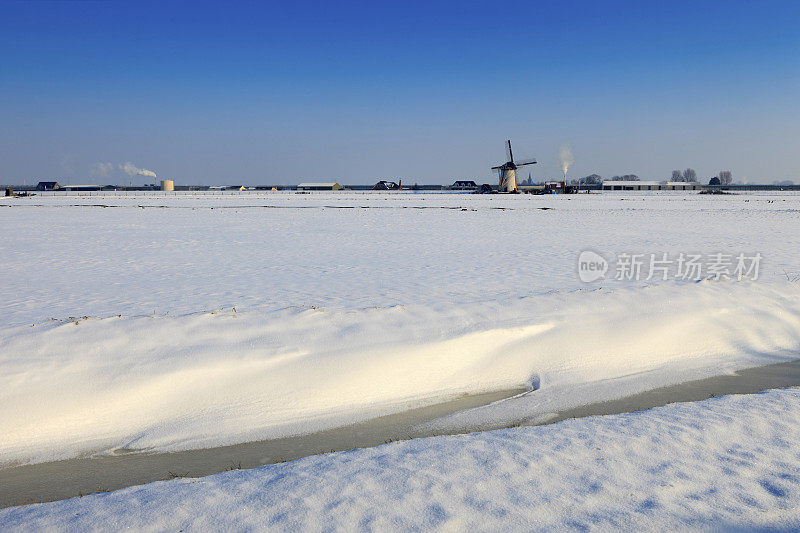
column 256, row 93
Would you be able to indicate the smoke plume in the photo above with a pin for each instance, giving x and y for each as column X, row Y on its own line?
column 102, row 170
column 132, row 170
column 566, row 157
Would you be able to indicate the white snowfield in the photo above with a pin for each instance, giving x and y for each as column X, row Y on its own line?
column 729, row 463
column 173, row 322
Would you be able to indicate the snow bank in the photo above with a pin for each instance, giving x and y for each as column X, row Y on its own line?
column 725, row 463
column 170, row 383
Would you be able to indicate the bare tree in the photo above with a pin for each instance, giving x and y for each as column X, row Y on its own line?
column 689, row 175
column 592, row 179
column 677, row 175
column 626, row 177
column 725, row 177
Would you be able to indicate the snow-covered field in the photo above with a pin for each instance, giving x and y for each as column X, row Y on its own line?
column 730, row 463
column 178, row 322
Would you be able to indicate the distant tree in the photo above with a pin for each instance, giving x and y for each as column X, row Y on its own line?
column 592, row 179
column 626, row 177
column 725, row 177
column 714, row 181
column 676, row 176
column 689, row 175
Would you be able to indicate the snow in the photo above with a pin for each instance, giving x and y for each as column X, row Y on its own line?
column 724, row 463
column 365, row 250
column 170, row 322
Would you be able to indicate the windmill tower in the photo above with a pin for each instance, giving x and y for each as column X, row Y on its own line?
column 508, row 170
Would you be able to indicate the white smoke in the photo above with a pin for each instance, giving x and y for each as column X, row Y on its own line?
column 132, row 170
column 129, row 168
column 566, row 157
column 102, row 170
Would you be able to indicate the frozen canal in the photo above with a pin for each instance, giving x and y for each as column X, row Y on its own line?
column 65, row 479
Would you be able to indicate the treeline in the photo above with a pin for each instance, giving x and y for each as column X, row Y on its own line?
column 725, row 177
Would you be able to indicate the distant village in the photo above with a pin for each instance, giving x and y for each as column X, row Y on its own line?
column 679, row 180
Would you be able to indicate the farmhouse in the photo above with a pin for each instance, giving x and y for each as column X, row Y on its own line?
column 464, row 185
column 386, row 186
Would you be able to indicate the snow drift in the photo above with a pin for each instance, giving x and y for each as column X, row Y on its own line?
column 167, row 383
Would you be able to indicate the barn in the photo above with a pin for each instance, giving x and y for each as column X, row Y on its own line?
column 682, row 186
column 632, row 186
column 319, row 187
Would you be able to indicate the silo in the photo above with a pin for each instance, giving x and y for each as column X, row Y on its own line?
column 167, row 185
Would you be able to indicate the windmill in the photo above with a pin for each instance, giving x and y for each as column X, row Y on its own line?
column 508, row 170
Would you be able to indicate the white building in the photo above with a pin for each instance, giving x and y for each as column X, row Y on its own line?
column 682, row 186
column 632, row 186
column 650, row 186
